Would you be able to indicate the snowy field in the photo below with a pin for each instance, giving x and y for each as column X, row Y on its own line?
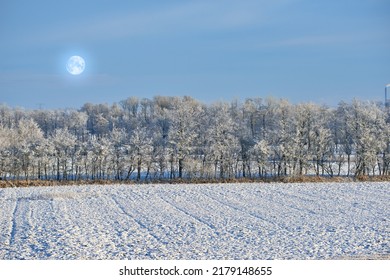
column 226, row 221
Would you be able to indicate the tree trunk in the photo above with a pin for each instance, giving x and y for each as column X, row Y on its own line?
column 180, row 168
column 139, row 169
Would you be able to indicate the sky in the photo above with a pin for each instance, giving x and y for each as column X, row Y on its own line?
column 300, row 50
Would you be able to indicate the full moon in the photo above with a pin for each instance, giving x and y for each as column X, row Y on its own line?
column 75, row 65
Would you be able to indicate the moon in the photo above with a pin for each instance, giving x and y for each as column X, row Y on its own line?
column 75, row 65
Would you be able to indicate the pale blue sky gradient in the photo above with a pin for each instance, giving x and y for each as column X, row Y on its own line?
column 301, row 50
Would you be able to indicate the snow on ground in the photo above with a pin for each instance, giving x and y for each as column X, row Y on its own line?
column 226, row 221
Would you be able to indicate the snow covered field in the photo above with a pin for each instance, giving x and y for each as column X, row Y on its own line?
column 226, row 221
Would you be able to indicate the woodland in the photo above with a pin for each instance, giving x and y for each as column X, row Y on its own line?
column 171, row 138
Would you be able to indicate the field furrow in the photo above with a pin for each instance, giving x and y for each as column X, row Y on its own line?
column 217, row 221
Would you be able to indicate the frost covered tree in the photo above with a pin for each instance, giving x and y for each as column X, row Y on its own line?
column 182, row 137
column 281, row 139
column 120, row 148
column 222, row 141
column 184, row 130
column 386, row 148
column 5, row 150
column 63, row 142
column 140, row 149
column 367, row 124
column 27, row 139
column 261, row 153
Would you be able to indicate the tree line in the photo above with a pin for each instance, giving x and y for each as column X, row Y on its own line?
column 180, row 137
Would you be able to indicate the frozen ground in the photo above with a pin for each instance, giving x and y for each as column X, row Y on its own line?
column 227, row 221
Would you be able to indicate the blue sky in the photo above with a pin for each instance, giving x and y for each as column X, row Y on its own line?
column 300, row 50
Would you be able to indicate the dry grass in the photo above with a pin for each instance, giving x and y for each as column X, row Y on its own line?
column 284, row 179
column 366, row 257
column 42, row 183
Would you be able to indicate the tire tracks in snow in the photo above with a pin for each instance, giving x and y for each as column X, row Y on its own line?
column 275, row 203
column 258, row 217
column 357, row 201
column 174, row 226
column 223, row 232
column 7, row 220
column 182, row 210
column 140, row 224
column 182, row 244
column 289, row 197
column 12, row 233
column 185, row 234
column 20, row 234
column 65, row 231
column 21, row 220
column 232, row 227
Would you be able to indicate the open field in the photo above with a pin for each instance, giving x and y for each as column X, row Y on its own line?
column 215, row 221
